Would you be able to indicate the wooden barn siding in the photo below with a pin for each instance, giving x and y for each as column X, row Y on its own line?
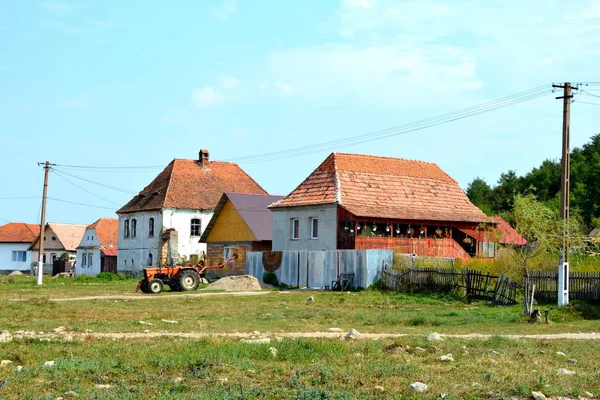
column 317, row 269
column 428, row 247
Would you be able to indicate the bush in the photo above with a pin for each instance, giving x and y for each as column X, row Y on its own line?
column 270, row 278
column 108, row 276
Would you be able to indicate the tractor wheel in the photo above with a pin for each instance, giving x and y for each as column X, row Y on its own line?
column 144, row 286
column 188, row 280
column 155, row 286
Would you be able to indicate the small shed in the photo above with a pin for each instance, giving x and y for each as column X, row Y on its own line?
column 241, row 223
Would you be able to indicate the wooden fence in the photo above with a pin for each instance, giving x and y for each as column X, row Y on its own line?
column 582, row 285
column 477, row 285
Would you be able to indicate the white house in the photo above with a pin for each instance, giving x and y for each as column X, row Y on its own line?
column 15, row 239
column 162, row 224
column 58, row 239
column 97, row 251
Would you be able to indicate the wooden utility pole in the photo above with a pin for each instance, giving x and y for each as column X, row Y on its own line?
column 43, row 223
column 563, row 267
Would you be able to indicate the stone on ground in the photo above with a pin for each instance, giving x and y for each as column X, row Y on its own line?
column 102, row 386
column 310, row 299
column 434, row 337
column 256, row 341
column 334, row 329
column 564, row 371
column 538, row 396
column 572, row 360
column 19, row 368
column 71, row 394
column 60, row 329
column 236, row 283
column 353, row 334
column 560, row 353
column 5, row 337
column 49, row 364
column 417, row 387
column 273, row 351
column 5, row 363
column 446, row 357
column 15, row 273
column 178, row 380
column 379, row 388
column 169, row 321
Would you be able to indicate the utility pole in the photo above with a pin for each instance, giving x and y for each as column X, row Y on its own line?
column 563, row 264
column 43, row 223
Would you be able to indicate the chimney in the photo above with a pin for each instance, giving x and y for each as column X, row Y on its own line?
column 203, row 158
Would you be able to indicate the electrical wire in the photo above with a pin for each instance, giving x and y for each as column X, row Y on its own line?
column 402, row 129
column 80, row 204
column 586, row 93
column 95, row 183
column 60, row 175
column 587, row 102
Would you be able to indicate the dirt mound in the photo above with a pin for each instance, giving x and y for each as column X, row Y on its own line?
column 15, row 273
column 237, row 283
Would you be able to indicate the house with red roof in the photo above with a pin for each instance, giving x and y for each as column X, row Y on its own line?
column 15, row 239
column 241, row 223
column 97, row 251
column 354, row 201
column 58, row 239
column 162, row 224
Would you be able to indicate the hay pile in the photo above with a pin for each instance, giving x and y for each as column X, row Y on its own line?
column 15, row 273
column 239, row 283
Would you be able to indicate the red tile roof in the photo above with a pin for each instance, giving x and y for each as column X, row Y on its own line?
column 107, row 230
column 384, row 187
column 190, row 185
column 507, row 233
column 19, row 232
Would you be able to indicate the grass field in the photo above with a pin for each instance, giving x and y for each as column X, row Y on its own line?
column 215, row 367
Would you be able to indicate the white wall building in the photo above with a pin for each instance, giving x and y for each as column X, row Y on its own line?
column 162, row 225
column 97, row 251
column 15, row 239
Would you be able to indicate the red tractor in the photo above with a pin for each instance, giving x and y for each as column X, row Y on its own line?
column 180, row 278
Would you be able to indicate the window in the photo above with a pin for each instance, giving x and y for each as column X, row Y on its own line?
column 195, row 227
column 314, row 228
column 83, row 259
column 19, row 256
column 53, row 257
column 90, row 262
column 149, row 259
column 228, row 252
column 295, row 228
column 151, row 227
column 126, row 228
column 133, row 227
column 44, row 259
column 53, row 237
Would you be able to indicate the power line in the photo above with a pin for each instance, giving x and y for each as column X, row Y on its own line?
column 586, row 93
column 80, row 204
column 60, row 175
column 96, row 183
column 587, row 102
column 401, row 129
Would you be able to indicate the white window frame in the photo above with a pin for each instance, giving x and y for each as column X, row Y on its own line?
column 295, row 225
column 197, row 225
column 83, row 260
column 133, row 227
column 126, row 228
column 19, row 256
column 312, row 221
column 90, row 260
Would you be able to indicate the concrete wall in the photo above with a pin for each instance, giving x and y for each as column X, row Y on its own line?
column 6, row 262
column 180, row 221
column 282, row 228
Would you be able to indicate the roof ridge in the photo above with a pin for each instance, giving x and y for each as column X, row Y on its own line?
column 336, row 182
column 387, row 157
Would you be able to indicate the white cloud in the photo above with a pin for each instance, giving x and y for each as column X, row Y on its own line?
column 284, row 89
column 62, row 27
column 225, row 11
column 229, row 81
column 57, row 7
column 207, row 96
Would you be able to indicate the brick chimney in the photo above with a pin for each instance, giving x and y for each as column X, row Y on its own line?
column 203, row 158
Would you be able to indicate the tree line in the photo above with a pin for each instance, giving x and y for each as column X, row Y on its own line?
column 543, row 184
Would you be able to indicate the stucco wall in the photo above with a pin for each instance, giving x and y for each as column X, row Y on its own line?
column 282, row 228
column 6, row 262
column 88, row 269
column 133, row 251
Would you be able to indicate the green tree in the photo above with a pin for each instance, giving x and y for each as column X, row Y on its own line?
column 480, row 194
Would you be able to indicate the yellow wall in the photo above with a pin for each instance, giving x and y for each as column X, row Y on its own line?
column 230, row 227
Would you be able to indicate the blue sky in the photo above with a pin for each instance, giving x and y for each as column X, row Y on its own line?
column 138, row 83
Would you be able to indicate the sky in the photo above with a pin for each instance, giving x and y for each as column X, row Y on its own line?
column 123, row 87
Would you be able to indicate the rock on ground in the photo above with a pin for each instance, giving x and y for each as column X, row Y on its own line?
column 5, row 363
column 417, row 387
column 353, row 334
column 310, row 299
column 102, row 386
column 434, row 337
column 71, row 394
column 446, row 357
column 538, row 396
column 5, row 337
column 169, row 321
column 334, row 330
column 236, row 283
column 49, row 364
column 15, row 273
column 273, row 351
column 564, row 371
column 178, row 380
column 256, row 341
column 379, row 388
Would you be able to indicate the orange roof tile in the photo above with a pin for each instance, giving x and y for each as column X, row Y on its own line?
column 19, row 232
column 190, row 185
column 384, row 187
column 107, row 230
